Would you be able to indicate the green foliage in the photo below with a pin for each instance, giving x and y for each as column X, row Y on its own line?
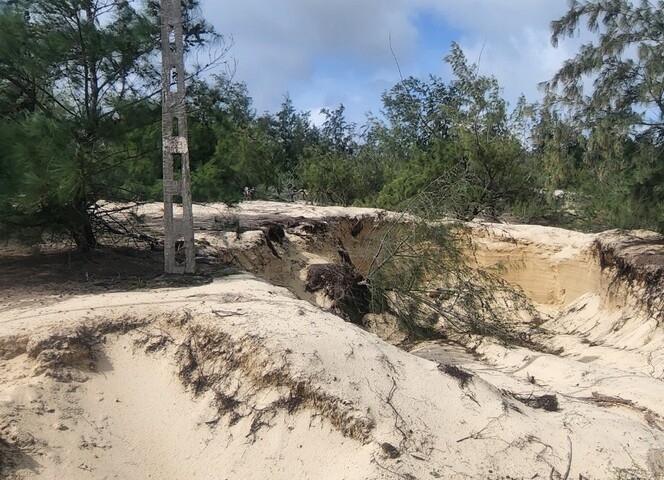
column 470, row 156
column 625, row 60
column 417, row 111
column 292, row 133
column 211, row 182
column 74, row 77
column 605, row 140
column 137, row 176
column 332, row 177
column 231, row 149
column 328, row 169
column 337, row 168
column 560, row 148
column 80, row 121
column 423, row 273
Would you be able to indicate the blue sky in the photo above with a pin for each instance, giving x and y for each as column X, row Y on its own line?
column 323, row 53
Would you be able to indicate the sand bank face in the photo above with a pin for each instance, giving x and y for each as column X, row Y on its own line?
column 601, row 293
column 283, row 391
column 241, row 379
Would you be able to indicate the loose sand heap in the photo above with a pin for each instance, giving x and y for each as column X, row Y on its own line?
column 241, row 379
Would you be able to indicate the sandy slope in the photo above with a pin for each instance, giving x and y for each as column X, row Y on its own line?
column 240, row 379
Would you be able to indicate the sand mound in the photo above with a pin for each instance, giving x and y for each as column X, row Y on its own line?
column 241, row 379
column 602, row 294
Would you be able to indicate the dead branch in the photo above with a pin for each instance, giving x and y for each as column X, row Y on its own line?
column 478, row 435
column 608, row 399
column 224, row 313
column 569, row 460
column 548, row 402
column 397, row 416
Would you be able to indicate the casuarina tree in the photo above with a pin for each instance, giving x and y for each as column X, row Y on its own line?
column 71, row 73
column 613, row 90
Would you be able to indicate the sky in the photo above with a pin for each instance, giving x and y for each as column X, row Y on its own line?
column 323, row 53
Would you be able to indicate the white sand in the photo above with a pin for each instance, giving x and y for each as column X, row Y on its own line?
column 287, row 391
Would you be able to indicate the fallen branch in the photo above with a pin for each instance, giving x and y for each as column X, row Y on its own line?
column 569, row 460
column 548, row 402
column 601, row 398
column 652, row 418
column 223, row 313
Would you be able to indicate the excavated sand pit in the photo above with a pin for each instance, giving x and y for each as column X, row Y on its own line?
column 239, row 378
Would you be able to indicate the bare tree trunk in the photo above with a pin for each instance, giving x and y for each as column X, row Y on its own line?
column 80, row 226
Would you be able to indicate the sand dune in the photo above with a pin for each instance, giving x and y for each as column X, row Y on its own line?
column 240, row 378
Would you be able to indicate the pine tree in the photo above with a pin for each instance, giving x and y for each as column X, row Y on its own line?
column 613, row 91
column 74, row 71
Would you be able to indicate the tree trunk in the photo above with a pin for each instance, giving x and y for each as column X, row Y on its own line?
column 80, row 227
column 84, row 236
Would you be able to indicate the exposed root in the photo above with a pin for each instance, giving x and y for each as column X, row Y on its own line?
column 238, row 370
column 453, row 371
column 548, row 402
column 639, row 262
column 345, row 286
column 70, row 353
column 10, row 456
column 12, row 346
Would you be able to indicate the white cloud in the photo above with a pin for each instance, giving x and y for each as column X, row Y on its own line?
column 316, row 117
column 511, row 41
column 324, row 53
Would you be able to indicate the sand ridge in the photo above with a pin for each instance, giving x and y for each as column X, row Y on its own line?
column 239, row 378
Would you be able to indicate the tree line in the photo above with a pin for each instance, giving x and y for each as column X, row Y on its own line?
column 80, row 121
